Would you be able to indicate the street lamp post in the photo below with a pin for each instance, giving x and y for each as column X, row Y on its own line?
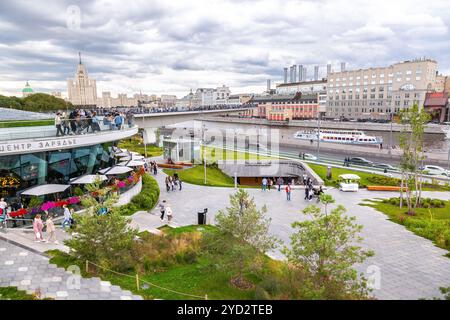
column 390, row 135
column 204, row 152
column 318, row 135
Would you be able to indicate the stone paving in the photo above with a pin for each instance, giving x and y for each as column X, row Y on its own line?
column 405, row 266
column 32, row 272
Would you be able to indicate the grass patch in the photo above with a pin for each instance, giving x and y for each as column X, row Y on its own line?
column 368, row 179
column 12, row 293
column 195, row 175
column 136, row 144
column 430, row 223
column 214, row 154
column 26, row 123
column 172, row 267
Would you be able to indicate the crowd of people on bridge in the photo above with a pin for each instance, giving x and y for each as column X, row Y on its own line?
column 81, row 121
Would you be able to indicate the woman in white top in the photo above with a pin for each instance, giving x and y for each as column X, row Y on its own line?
column 168, row 211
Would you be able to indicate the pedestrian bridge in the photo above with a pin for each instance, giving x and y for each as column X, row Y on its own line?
column 151, row 121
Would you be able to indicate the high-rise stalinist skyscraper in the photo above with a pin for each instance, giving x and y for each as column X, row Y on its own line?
column 82, row 90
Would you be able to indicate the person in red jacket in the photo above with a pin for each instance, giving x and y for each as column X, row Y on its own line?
column 288, row 192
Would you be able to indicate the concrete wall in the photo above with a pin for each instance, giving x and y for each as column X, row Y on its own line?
column 126, row 197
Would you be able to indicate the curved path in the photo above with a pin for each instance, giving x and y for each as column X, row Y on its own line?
column 30, row 271
column 405, row 266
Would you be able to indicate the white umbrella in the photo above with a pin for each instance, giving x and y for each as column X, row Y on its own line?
column 45, row 189
column 133, row 157
column 122, row 154
column 115, row 170
column 88, row 178
column 131, row 163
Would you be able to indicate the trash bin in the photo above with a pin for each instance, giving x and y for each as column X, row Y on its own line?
column 202, row 216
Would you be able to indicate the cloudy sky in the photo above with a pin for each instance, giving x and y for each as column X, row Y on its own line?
column 172, row 46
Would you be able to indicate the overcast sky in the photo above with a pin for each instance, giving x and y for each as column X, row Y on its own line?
column 172, row 46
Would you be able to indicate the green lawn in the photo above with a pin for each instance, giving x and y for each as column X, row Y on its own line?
column 12, row 293
column 430, row 223
column 366, row 178
column 198, row 278
column 195, row 175
column 213, row 154
column 136, row 144
column 26, row 123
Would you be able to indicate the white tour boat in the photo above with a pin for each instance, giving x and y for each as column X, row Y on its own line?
column 338, row 136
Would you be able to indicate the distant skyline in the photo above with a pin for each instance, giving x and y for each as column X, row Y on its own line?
column 170, row 47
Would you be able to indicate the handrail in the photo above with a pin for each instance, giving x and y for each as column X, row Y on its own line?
column 140, row 280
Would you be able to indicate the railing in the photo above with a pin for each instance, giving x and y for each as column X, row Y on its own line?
column 138, row 281
column 71, row 128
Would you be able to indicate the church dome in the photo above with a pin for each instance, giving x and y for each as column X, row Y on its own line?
column 27, row 89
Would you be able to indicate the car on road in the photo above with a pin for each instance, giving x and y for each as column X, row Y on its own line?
column 307, row 156
column 384, row 166
column 435, row 171
column 360, row 161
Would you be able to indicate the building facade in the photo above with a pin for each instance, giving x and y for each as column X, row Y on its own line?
column 287, row 107
column 379, row 92
column 82, row 90
column 27, row 90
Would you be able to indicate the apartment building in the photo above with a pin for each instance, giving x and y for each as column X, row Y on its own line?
column 378, row 92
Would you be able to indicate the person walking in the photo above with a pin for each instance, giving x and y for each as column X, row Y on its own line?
column 306, row 192
column 264, row 184
column 270, row 183
column 310, row 192
column 279, row 183
column 58, row 124
column 3, row 205
column 67, row 217
column 155, row 168
column 169, row 213
column 37, row 228
column 305, row 178
column 51, row 230
column 162, row 209
column 167, row 182
column 288, row 192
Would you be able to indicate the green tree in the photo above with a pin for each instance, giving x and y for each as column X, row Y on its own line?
column 411, row 143
column 325, row 247
column 107, row 239
column 243, row 235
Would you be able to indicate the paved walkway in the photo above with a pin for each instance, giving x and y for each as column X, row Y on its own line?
column 30, row 271
column 407, row 266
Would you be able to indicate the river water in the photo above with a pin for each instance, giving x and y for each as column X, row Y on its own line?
column 432, row 142
column 13, row 114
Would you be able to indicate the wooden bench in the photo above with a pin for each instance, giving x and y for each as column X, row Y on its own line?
column 170, row 166
column 385, row 188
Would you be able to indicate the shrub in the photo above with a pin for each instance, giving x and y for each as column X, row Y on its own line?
column 383, row 181
column 146, row 199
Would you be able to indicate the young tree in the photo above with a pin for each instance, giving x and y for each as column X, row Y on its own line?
column 104, row 239
column 411, row 142
column 243, row 235
column 325, row 247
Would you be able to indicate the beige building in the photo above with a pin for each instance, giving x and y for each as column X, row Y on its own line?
column 442, row 83
column 378, row 92
column 82, row 90
column 122, row 100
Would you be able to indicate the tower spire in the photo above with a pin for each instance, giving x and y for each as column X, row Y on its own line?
column 79, row 55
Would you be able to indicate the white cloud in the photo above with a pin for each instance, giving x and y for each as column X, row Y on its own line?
column 173, row 46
